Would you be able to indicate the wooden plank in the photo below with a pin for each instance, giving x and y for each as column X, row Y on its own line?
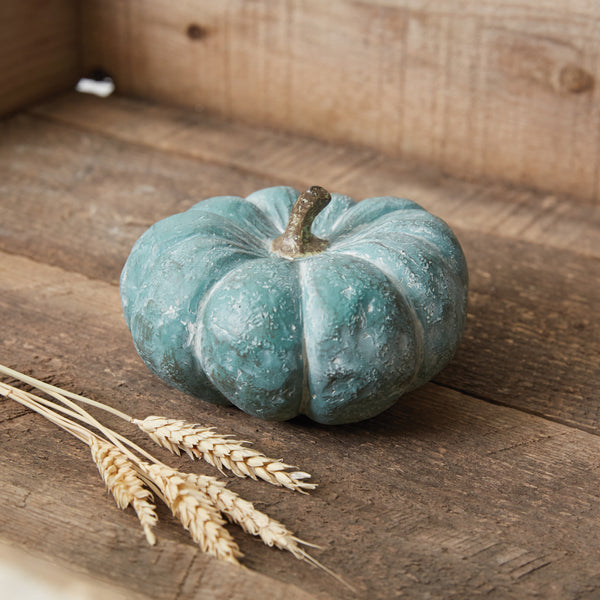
column 444, row 496
column 531, row 341
column 39, row 50
column 482, row 89
column 94, row 196
column 26, row 574
column 547, row 219
column 53, row 500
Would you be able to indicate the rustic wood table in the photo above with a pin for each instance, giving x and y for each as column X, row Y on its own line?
column 485, row 481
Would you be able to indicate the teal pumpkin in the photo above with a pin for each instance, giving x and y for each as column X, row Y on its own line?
column 334, row 322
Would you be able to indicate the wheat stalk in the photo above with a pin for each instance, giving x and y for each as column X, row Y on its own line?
column 195, row 511
column 196, row 500
column 196, row 441
column 123, row 481
column 251, row 520
column 222, row 452
column 117, row 471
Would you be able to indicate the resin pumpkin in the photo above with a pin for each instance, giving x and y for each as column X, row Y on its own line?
column 248, row 301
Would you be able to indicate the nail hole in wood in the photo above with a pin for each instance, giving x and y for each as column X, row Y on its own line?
column 195, row 32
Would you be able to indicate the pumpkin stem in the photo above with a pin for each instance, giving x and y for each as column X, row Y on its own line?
column 297, row 240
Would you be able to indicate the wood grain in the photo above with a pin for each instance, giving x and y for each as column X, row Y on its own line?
column 486, row 89
column 450, row 497
column 531, row 340
column 40, row 51
column 53, row 499
column 94, row 194
column 483, row 483
column 547, row 219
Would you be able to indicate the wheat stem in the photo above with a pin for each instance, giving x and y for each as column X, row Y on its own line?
column 83, row 415
column 58, row 394
column 115, row 468
column 51, row 389
column 42, row 401
column 198, row 501
column 24, row 398
column 177, row 435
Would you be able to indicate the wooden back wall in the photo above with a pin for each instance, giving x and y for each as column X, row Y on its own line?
column 483, row 89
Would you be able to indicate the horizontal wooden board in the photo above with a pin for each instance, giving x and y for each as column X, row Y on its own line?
column 444, row 496
column 506, row 91
column 531, row 340
column 547, row 219
column 40, row 50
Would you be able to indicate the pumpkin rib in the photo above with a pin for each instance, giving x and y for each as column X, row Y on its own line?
column 433, row 227
column 402, row 291
column 435, row 252
column 137, row 275
column 163, row 260
column 269, row 201
column 454, row 283
column 230, row 359
column 340, row 204
column 229, row 207
column 351, row 377
column 364, row 219
column 191, row 227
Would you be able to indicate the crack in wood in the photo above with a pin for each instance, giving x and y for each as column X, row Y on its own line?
column 181, row 585
column 533, row 413
column 15, row 417
column 527, row 442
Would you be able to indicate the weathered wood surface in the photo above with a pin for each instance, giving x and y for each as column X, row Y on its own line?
column 487, row 89
column 40, row 51
column 28, row 574
column 522, row 295
column 542, row 218
column 443, row 494
column 446, row 495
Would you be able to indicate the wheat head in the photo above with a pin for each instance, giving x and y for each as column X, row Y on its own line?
column 222, row 452
column 251, row 520
column 123, row 481
column 255, row 522
column 195, row 511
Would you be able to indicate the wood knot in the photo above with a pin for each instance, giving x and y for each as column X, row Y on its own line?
column 574, row 80
column 196, row 32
